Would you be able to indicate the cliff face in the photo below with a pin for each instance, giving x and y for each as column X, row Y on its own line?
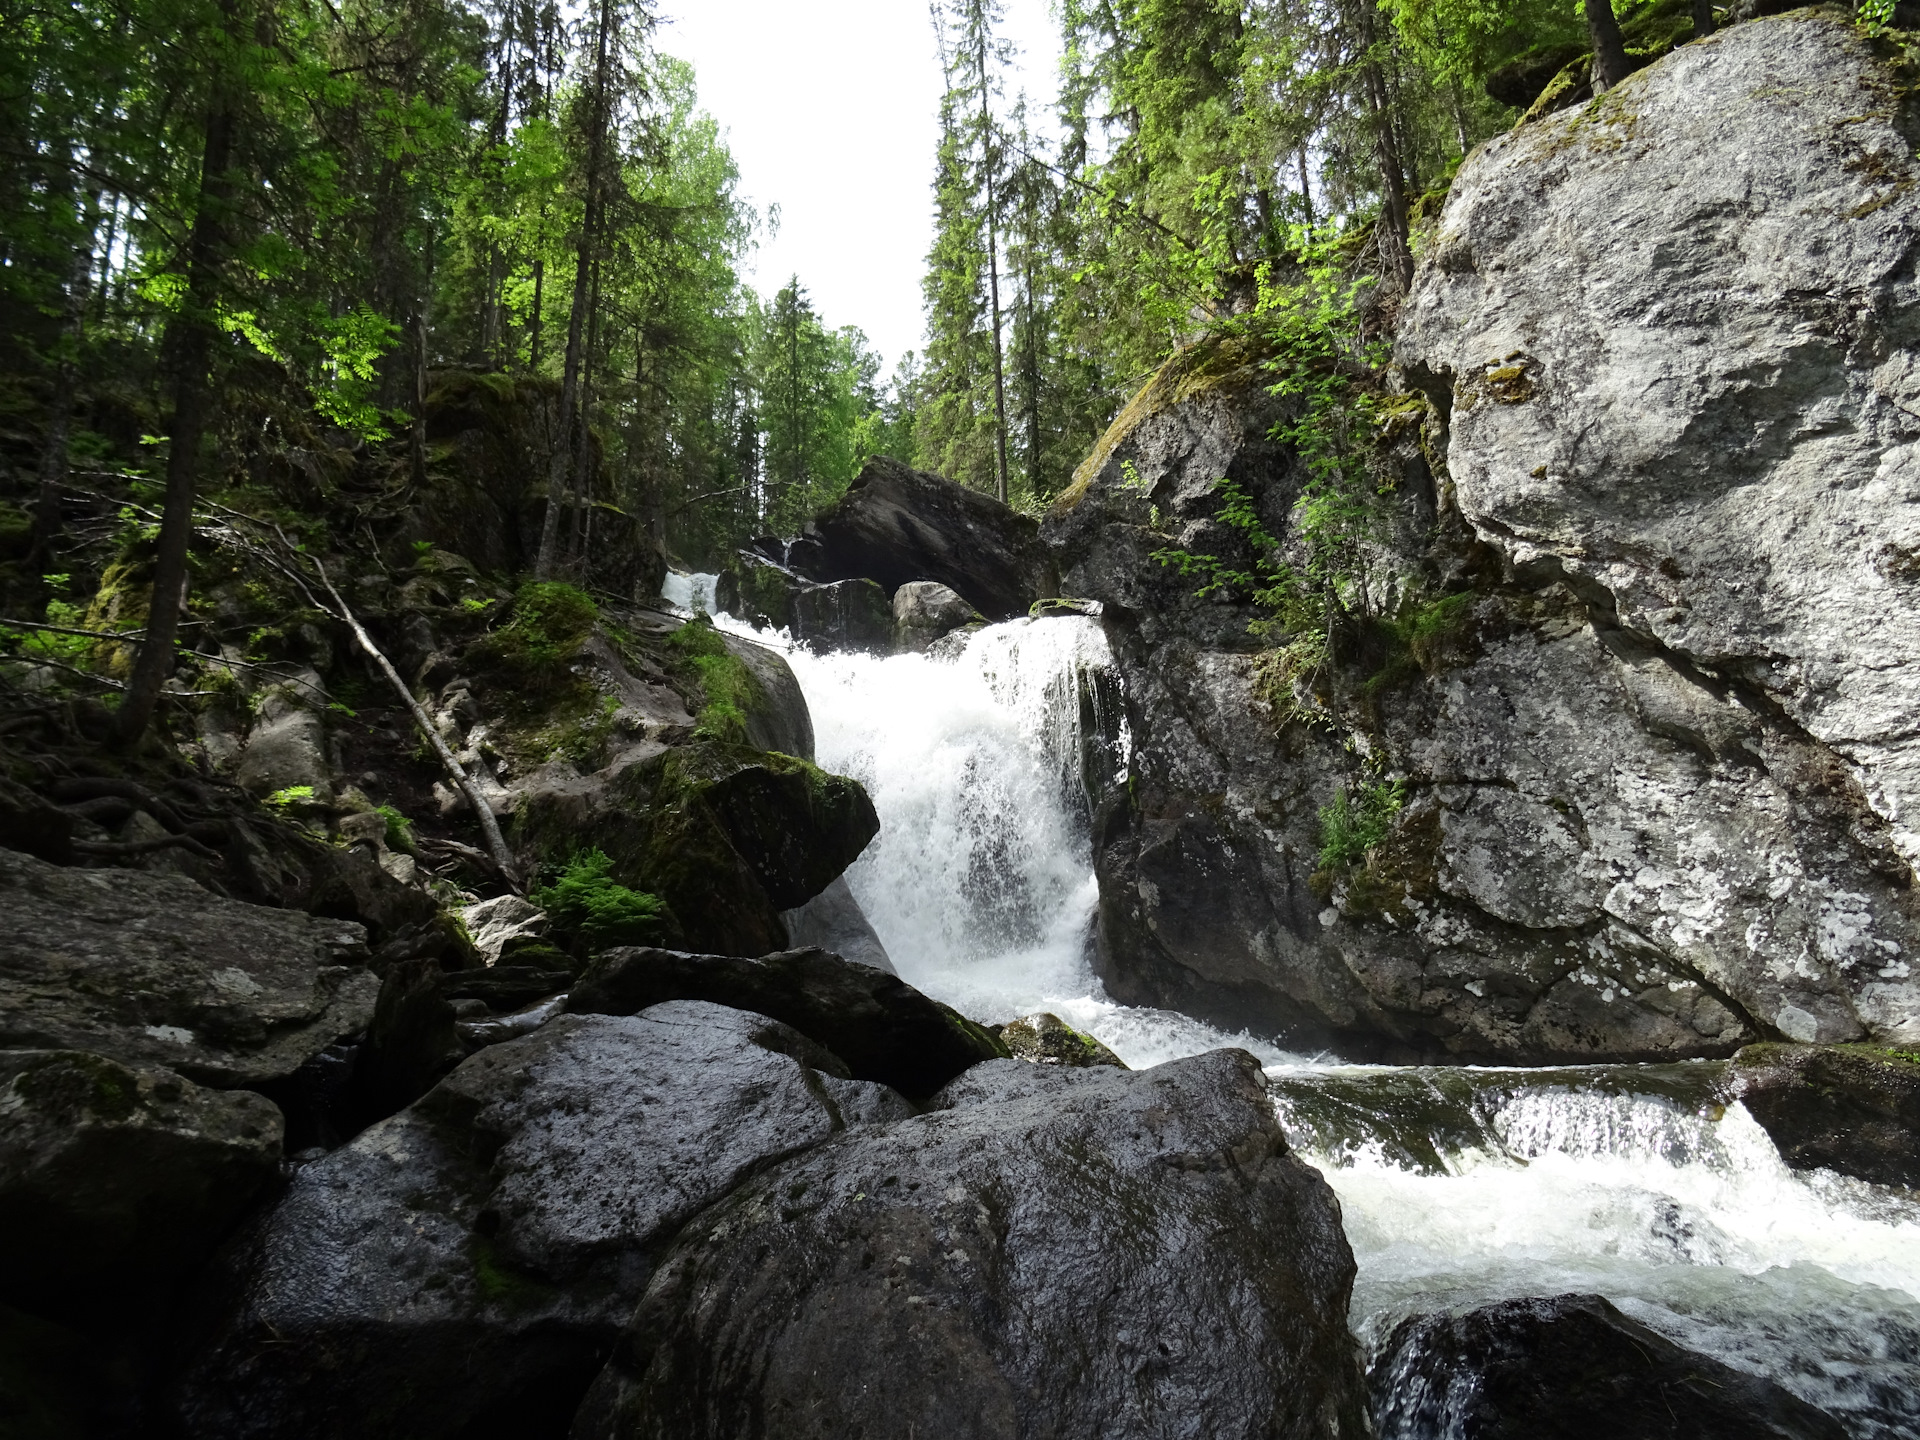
column 1661, row 770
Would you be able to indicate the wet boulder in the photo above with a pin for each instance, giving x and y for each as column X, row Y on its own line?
column 883, row 1028
column 469, row 1262
column 1850, row 1108
column 843, row 615
column 153, row 970
column 924, row 610
column 115, row 1179
column 778, row 718
column 727, row 836
column 833, row 920
column 896, row 524
column 1045, row 1039
column 1574, row 1368
column 1048, row 1252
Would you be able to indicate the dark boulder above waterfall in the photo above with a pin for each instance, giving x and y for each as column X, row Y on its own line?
column 471, row 1260
column 1849, row 1108
column 881, row 1026
column 1131, row 1255
column 1571, row 1368
column 896, row 524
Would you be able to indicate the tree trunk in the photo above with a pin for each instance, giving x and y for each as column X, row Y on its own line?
column 993, row 284
column 1609, row 46
column 1702, row 19
column 539, row 286
column 557, row 473
column 53, row 456
column 422, row 318
column 190, row 339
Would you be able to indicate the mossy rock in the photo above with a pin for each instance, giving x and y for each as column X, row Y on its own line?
column 727, row 836
column 1850, row 1108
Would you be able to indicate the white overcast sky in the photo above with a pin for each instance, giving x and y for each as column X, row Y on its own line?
column 831, row 108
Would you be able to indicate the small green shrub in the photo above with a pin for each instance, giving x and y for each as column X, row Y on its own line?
column 399, row 830
column 292, row 795
column 1356, row 820
column 589, row 905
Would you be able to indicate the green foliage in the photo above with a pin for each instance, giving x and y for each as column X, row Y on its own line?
column 292, row 796
column 732, row 693
column 1358, row 819
column 544, row 630
column 588, row 905
column 399, row 830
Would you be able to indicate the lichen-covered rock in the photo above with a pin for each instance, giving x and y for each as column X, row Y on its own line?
column 1050, row 1252
column 1616, row 835
column 1571, row 1366
column 115, row 1179
column 474, row 1257
column 881, row 1026
column 1848, row 1108
column 152, row 970
column 1675, row 329
column 1046, row 1039
column 896, row 524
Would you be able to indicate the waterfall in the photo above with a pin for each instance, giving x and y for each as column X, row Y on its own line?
column 693, row 593
column 1459, row 1186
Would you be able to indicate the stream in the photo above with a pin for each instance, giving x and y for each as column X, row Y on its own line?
column 1459, row 1186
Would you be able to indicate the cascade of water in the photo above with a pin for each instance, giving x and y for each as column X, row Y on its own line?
column 693, row 593
column 1459, row 1186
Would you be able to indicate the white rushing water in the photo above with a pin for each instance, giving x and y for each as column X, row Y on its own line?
column 1457, row 1188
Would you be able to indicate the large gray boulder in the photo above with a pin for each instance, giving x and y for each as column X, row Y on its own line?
column 153, row 970
column 474, row 1257
column 833, row 920
column 116, row 1179
column 1049, row 1252
column 1609, row 844
column 924, row 610
column 1676, row 329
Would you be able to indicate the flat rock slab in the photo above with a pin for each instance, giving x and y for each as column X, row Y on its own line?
column 1848, row 1108
column 1072, row 1253
column 1571, row 1368
column 114, row 1178
column 477, row 1254
column 151, row 969
column 883, row 1028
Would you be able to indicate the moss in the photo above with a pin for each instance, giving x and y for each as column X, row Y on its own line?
column 544, row 631
column 730, row 691
column 503, row 1284
column 74, row 1084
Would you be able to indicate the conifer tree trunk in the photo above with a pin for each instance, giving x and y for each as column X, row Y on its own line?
column 993, row 280
column 53, row 456
column 1702, row 19
column 190, row 340
column 598, row 121
column 1609, row 46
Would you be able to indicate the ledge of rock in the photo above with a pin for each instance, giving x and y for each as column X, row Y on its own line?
column 153, row 970
column 1848, row 1108
column 1049, row 1252
column 883, row 1028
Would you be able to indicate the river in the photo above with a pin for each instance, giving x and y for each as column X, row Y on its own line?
column 1460, row 1185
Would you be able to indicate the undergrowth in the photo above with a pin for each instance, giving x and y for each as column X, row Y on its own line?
column 1357, row 819
column 544, row 630
column 586, row 904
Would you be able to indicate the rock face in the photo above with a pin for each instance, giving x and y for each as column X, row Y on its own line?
column 115, row 1179
column 152, row 970
column 833, row 920
column 1617, row 834
column 1572, row 1367
column 1849, row 1108
column 895, row 525
column 1051, row 1252
column 1676, row 333
column 472, row 1259
column 883, row 1028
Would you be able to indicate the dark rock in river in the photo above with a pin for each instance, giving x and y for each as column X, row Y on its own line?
column 897, row 524
column 1847, row 1108
column 844, row 615
column 152, row 970
column 115, row 1179
column 1050, row 1252
column 833, row 920
column 1571, row 1368
column 883, row 1028
column 924, row 610
column 469, row 1262
column 778, row 719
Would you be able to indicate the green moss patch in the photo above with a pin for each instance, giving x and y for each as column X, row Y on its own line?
column 730, row 692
